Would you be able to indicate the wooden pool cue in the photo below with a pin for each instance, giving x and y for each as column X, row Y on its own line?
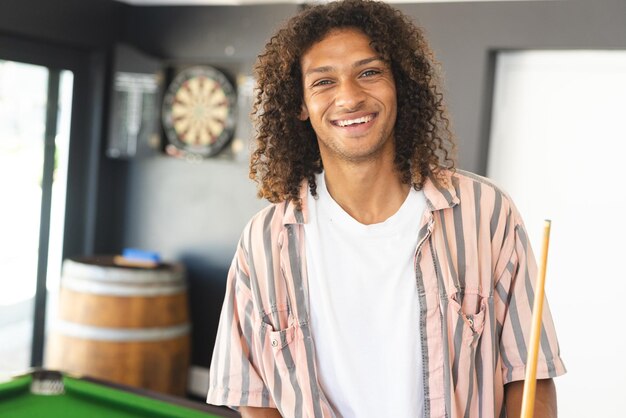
column 530, row 380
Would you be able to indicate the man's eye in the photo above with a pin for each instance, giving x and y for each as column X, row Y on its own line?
column 369, row 73
column 322, row 83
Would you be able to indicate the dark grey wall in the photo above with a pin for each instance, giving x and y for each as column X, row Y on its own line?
column 203, row 33
column 86, row 24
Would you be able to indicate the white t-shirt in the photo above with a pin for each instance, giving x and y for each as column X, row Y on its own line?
column 364, row 308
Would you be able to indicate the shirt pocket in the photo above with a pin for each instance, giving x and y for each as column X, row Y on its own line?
column 279, row 349
column 466, row 323
column 467, row 318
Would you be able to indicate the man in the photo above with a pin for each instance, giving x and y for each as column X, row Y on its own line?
column 381, row 282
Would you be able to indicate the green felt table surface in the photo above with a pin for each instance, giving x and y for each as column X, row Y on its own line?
column 86, row 399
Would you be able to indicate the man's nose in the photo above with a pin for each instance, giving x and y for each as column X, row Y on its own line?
column 350, row 95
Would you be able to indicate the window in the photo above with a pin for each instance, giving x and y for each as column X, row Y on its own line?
column 558, row 143
column 35, row 108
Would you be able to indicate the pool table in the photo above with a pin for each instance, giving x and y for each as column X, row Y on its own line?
column 45, row 393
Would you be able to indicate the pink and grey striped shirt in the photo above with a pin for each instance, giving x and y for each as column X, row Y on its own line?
column 474, row 276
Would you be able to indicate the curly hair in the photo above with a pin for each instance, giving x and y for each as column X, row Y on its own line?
column 287, row 151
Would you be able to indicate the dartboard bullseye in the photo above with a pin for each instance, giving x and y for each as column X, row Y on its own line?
column 199, row 111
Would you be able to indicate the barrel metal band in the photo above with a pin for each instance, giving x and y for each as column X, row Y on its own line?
column 87, row 271
column 120, row 289
column 89, row 332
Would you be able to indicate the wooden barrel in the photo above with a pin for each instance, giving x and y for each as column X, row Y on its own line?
column 124, row 324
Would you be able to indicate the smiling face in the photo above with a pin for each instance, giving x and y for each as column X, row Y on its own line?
column 349, row 97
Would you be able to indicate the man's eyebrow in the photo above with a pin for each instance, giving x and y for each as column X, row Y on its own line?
column 325, row 69
column 329, row 68
column 366, row 61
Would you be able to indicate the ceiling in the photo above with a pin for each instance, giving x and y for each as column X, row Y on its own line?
column 249, row 2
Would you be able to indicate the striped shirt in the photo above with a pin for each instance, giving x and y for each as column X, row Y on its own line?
column 474, row 274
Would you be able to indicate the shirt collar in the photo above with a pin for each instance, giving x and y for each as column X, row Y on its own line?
column 439, row 192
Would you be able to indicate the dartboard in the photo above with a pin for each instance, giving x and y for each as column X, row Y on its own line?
column 199, row 111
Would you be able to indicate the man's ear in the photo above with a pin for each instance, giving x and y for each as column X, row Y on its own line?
column 304, row 113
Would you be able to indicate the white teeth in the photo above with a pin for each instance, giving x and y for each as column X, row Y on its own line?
column 349, row 122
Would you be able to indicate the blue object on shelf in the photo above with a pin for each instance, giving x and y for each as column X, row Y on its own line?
column 136, row 254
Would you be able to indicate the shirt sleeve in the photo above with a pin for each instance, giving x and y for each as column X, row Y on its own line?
column 514, row 297
column 234, row 377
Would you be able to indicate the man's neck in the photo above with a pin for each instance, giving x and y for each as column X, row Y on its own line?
column 370, row 193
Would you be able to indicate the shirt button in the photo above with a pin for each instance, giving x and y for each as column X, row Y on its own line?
column 274, row 343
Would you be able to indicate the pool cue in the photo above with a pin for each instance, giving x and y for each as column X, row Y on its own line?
column 530, row 380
